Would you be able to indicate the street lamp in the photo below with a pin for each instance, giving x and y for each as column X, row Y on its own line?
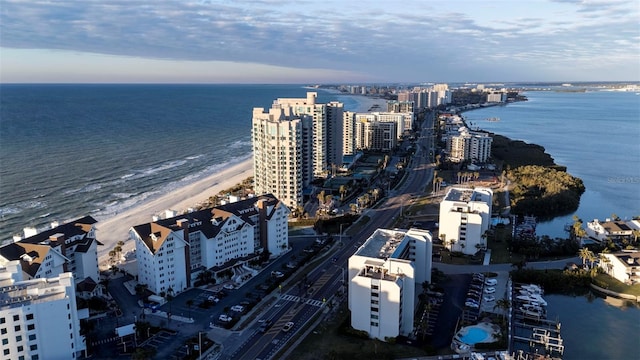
column 200, row 343
column 341, row 225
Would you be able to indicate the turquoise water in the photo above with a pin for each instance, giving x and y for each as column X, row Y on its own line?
column 474, row 335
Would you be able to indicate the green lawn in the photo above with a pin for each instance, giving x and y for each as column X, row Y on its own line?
column 617, row 286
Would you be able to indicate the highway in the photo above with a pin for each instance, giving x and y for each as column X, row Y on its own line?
column 302, row 302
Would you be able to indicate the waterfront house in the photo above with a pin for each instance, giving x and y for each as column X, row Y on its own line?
column 623, row 266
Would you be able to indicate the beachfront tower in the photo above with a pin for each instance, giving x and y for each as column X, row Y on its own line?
column 465, row 216
column 281, row 153
column 326, row 131
column 383, row 276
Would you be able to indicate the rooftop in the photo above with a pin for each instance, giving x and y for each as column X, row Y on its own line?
column 31, row 291
column 381, row 244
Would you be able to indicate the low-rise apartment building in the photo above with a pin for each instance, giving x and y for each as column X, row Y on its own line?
column 383, row 276
column 171, row 252
column 70, row 247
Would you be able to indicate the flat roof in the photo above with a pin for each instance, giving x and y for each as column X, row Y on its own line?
column 381, row 244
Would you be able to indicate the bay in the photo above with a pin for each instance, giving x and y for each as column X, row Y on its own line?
column 594, row 134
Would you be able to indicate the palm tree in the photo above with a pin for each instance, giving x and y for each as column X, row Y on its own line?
column 343, row 190
column 585, row 254
column 504, row 305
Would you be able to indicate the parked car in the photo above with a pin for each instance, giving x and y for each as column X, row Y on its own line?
column 489, row 290
column 277, row 274
column 237, row 308
column 228, row 286
column 471, row 305
column 213, row 299
column 291, row 265
column 491, row 282
column 288, row 326
column 489, row 298
column 225, row 318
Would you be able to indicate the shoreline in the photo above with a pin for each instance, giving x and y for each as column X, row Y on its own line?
column 113, row 229
column 116, row 228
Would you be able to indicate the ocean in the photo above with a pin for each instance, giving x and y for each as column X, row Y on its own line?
column 67, row 151
column 71, row 150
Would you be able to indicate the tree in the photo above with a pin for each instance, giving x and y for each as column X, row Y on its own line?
column 343, row 190
column 504, row 305
column 585, row 254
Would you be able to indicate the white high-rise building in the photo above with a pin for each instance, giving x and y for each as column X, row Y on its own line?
column 383, row 275
column 39, row 317
column 327, row 131
column 465, row 216
column 282, row 163
column 469, row 145
column 349, row 133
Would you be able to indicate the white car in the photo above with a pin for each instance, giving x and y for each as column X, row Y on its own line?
column 288, row 326
column 489, row 298
column 489, row 290
column 225, row 318
column 491, row 282
column 228, row 286
column 471, row 305
column 237, row 308
column 277, row 274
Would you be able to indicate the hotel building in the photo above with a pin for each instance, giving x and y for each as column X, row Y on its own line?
column 171, row 252
column 70, row 247
column 465, row 215
column 383, row 275
column 38, row 317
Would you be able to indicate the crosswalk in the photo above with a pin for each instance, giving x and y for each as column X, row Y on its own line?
column 311, row 302
column 104, row 341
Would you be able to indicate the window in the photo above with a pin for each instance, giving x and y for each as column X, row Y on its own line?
column 33, row 347
column 5, row 341
column 20, row 348
column 18, row 338
column 31, row 327
column 374, row 302
column 32, row 337
column 17, row 328
column 6, row 351
column 374, row 287
column 2, row 321
column 16, row 317
column 35, row 357
column 374, row 309
column 29, row 316
column 374, row 323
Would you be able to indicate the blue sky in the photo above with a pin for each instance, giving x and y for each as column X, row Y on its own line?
column 310, row 41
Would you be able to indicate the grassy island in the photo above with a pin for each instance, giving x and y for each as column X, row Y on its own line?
column 539, row 186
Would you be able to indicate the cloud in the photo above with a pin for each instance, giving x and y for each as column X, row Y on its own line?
column 420, row 39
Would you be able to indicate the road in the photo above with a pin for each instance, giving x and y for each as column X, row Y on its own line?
column 301, row 304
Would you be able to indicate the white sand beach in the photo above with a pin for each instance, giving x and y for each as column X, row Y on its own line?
column 114, row 229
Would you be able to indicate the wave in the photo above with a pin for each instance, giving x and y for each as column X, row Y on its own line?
column 240, row 143
column 121, row 203
column 194, row 157
column 20, row 207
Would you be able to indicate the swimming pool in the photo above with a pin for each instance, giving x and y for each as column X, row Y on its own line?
column 473, row 335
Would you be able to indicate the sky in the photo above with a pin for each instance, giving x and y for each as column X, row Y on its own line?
column 311, row 41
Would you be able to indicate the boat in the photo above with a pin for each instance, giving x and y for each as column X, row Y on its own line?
column 532, row 298
column 532, row 289
column 493, row 119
